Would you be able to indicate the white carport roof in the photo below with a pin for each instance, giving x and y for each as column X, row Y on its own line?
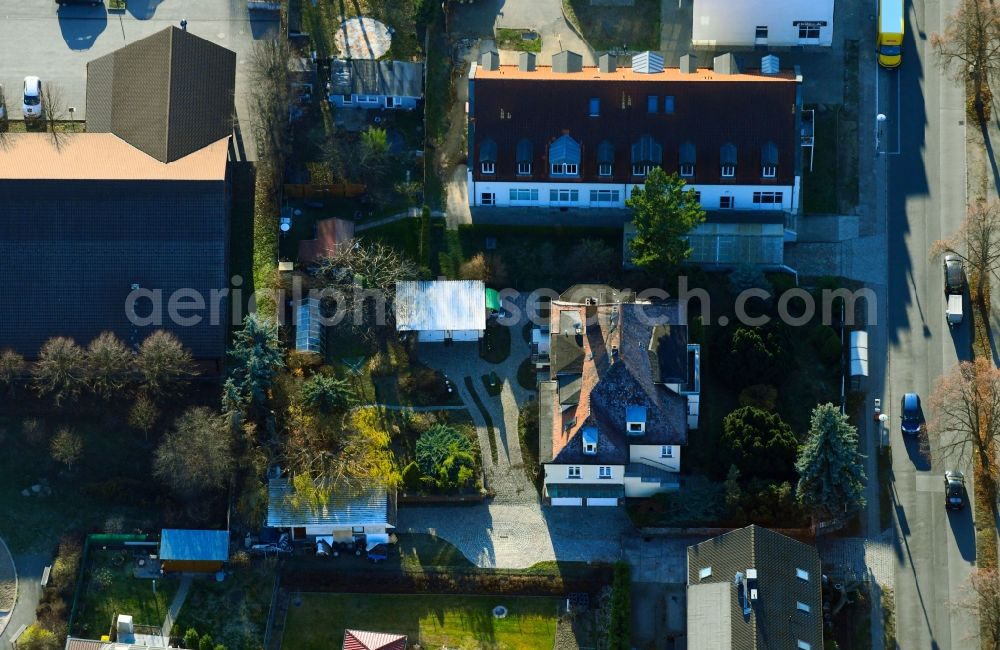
column 440, row 305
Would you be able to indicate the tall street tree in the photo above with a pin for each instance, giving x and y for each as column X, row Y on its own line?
column 966, row 412
column 831, row 469
column 663, row 213
column 971, row 46
column 977, row 242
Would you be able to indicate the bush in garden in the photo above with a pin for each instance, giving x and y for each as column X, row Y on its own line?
column 446, row 455
column 759, row 443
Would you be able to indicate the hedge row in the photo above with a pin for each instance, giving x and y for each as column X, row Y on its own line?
column 265, row 236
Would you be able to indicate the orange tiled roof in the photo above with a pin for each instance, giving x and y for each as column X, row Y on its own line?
column 593, row 73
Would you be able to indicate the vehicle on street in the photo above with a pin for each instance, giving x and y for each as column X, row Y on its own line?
column 912, row 418
column 32, row 103
column 889, row 43
column 954, row 490
column 954, row 275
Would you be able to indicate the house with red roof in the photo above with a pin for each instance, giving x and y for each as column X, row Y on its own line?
column 358, row 640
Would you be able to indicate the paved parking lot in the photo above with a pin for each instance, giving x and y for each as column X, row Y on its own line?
column 38, row 37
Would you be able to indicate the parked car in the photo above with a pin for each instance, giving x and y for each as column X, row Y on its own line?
column 954, row 490
column 913, row 416
column 954, row 275
column 32, row 103
column 378, row 554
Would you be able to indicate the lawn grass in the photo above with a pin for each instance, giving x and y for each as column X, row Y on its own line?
column 513, row 39
column 403, row 235
column 234, row 611
column 471, row 387
column 609, row 27
column 819, row 186
column 495, row 346
column 126, row 594
column 430, row 620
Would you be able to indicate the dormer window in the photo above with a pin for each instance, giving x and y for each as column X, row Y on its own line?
column 605, row 158
column 488, row 156
column 635, row 420
column 590, row 441
column 525, row 153
column 564, row 157
column 687, row 160
column 727, row 157
column 769, row 160
column 647, row 153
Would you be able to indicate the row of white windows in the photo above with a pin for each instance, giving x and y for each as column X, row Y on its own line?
column 652, row 104
column 557, row 196
column 604, row 471
column 640, row 169
column 726, row 202
column 807, row 31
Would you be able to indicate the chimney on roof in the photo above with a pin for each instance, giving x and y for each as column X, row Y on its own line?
column 567, row 61
column 490, row 61
column 607, row 63
column 689, row 64
column 526, row 62
column 769, row 64
column 647, row 62
column 184, row 24
column 725, row 64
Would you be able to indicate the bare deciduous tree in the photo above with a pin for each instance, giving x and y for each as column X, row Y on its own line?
column 53, row 111
column 198, row 455
column 977, row 242
column 365, row 275
column 66, row 447
column 984, row 599
column 971, row 46
column 164, row 363
column 966, row 412
column 11, row 367
column 60, row 370
column 109, row 364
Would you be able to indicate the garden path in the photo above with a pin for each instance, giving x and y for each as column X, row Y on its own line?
column 175, row 606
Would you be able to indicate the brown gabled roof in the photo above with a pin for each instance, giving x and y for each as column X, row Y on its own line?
column 329, row 234
column 359, row 640
column 102, row 156
column 710, row 110
column 168, row 94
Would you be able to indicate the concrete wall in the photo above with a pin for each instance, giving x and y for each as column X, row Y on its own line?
column 720, row 23
column 641, row 453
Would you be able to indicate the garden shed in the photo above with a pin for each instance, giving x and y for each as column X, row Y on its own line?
column 202, row 551
column 442, row 310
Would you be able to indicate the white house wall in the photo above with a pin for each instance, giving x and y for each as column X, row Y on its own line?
column 742, row 195
column 588, row 474
column 720, row 23
column 651, row 453
column 370, row 529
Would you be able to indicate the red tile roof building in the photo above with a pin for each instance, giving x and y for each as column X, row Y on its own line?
column 358, row 640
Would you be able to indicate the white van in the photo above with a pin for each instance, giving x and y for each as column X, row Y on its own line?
column 32, row 107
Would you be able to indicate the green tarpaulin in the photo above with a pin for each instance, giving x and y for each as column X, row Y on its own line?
column 492, row 300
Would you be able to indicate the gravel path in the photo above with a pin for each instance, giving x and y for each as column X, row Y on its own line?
column 8, row 584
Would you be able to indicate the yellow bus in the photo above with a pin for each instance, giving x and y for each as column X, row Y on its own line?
column 890, row 33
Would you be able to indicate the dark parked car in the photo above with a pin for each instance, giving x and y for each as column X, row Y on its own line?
column 954, row 276
column 912, row 414
column 954, row 490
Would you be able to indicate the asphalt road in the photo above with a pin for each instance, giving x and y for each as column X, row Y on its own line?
column 924, row 141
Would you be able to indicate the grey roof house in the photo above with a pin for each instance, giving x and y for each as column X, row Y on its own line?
column 346, row 508
column 754, row 588
column 130, row 203
column 364, row 83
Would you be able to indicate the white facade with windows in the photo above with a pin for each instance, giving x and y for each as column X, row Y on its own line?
column 723, row 23
column 613, row 195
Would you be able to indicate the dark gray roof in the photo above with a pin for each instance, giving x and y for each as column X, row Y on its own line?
column 774, row 620
column 368, row 77
column 168, row 94
column 566, row 346
column 668, row 355
column 73, row 249
column 347, row 506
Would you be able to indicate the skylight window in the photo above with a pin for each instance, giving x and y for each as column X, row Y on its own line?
column 802, row 574
column 802, row 607
column 704, row 573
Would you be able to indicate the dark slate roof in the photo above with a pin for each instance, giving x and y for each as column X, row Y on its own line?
column 168, row 94
column 73, row 249
column 368, row 77
column 566, row 346
column 774, row 620
column 668, row 355
column 194, row 545
column 347, row 506
column 751, row 111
